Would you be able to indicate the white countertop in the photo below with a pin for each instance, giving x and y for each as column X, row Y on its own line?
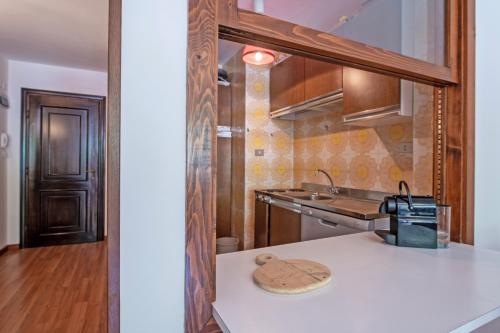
column 375, row 288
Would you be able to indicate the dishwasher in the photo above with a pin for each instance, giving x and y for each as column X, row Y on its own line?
column 317, row 223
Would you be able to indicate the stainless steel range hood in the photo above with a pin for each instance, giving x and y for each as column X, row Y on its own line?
column 333, row 101
column 325, row 103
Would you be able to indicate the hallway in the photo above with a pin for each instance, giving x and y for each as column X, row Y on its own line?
column 54, row 289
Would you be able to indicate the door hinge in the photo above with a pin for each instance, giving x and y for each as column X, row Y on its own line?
column 27, row 114
column 27, row 170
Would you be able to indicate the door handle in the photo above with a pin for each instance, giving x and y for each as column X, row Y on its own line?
column 89, row 171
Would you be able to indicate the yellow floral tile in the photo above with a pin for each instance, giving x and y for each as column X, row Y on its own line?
column 363, row 172
column 258, row 84
column 338, row 169
column 281, row 169
column 423, row 175
column 336, row 142
column 258, row 114
column 257, row 139
column 362, row 140
column 315, row 145
column 393, row 169
column 281, row 142
column 300, row 147
column 257, row 170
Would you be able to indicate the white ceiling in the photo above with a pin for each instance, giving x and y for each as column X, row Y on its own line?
column 72, row 33
column 322, row 15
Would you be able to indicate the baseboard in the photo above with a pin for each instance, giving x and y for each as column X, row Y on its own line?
column 6, row 248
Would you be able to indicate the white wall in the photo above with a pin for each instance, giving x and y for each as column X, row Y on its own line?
column 152, row 167
column 3, row 160
column 37, row 76
column 487, row 200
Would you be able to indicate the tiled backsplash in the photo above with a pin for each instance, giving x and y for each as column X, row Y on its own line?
column 364, row 158
column 367, row 158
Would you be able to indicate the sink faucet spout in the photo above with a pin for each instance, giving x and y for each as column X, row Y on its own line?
column 333, row 189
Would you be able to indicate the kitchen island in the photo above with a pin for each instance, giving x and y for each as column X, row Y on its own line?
column 375, row 288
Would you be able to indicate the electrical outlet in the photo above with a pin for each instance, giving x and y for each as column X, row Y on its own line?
column 405, row 147
column 259, row 152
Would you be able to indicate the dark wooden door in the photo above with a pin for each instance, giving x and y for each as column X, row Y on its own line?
column 285, row 226
column 63, row 165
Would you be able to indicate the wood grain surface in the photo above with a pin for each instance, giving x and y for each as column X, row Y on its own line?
column 201, row 163
column 113, row 164
column 460, row 124
column 237, row 77
column 294, row 276
column 54, row 289
column 262, row 30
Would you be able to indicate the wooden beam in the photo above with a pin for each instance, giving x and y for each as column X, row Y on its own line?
column 460, row 130
column 113, row 164
column 227, row 12
column 201, row 163
column 288, row 37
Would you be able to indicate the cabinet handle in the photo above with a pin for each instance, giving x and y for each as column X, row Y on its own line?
column 328, row 223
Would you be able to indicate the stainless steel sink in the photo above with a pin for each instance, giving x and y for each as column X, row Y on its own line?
column 312, row 197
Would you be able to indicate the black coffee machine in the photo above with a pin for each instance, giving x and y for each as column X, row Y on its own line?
column 413, row 220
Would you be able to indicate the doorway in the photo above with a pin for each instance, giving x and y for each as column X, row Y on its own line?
column 62, row 186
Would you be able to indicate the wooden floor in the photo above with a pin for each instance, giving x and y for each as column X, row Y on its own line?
column 54, row 289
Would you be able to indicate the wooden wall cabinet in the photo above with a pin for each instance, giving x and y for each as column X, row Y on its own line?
column 321, row 78
column 367, row 91
column 287, row 83
column 284, row 226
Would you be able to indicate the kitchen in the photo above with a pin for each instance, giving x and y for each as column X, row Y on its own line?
column 308, row 149
column 323, row 145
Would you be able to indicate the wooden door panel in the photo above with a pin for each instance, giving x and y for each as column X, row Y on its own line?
column 321, row 78
column 285, row 226
column 64, row 144
column 261, row 237
column 63, row 161
column 63, row 211
column 287, row 83
column 367, row 91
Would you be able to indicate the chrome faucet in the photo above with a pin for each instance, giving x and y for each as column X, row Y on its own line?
column 333, row 189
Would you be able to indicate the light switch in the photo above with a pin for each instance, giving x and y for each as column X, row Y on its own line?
column 259, row 152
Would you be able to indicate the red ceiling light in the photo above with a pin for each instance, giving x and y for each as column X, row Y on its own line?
column 258, row 56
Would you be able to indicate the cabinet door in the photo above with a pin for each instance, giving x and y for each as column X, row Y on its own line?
column 261, row 238
column 367, row 91
column 285, row 226
column 287, row 83
column 321, row 78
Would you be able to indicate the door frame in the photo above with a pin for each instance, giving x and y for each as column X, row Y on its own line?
column 210, row 19
column 113, row 163
column 101, row 132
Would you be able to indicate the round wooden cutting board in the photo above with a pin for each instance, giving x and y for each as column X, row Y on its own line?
column 289, row 276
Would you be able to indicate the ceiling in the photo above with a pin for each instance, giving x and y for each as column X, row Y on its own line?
column 321, row 15
column 72, row 33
